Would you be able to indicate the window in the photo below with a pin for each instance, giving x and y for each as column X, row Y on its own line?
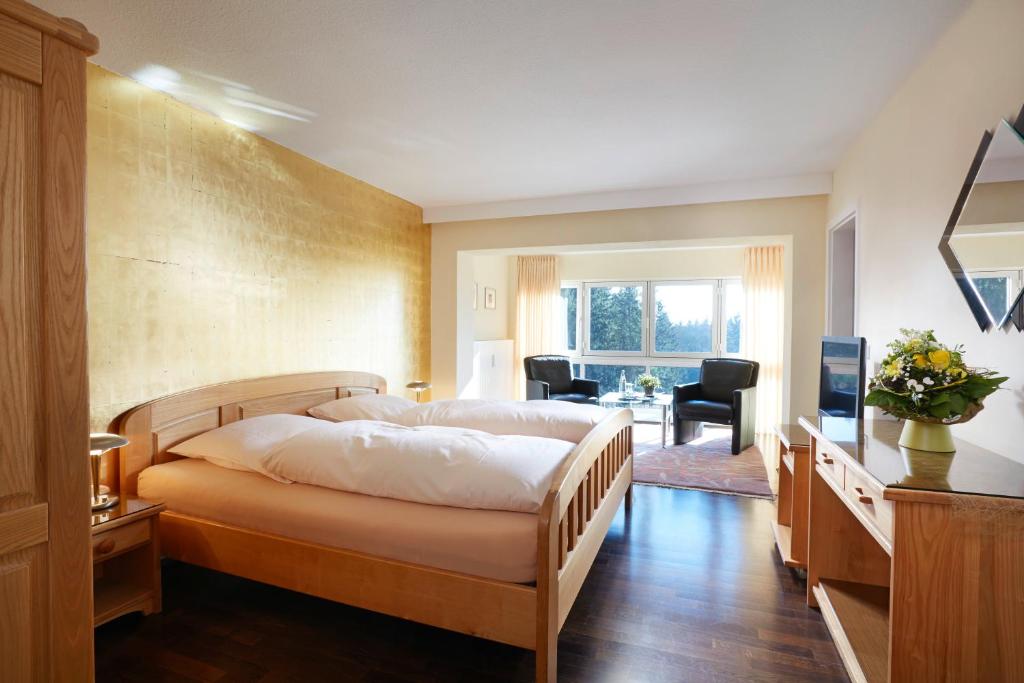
column 683, row 313
column 665, row 328
column 570, row 299
column 615, row 318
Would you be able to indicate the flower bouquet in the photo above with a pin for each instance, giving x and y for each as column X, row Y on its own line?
column 649, row 383
column 927, row 384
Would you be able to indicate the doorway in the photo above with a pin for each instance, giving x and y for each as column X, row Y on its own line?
column 842, row 278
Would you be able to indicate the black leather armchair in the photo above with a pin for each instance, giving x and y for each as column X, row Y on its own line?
column 725, row 395
column 550, row 378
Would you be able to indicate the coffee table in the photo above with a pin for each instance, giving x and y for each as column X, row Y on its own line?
column 614, row 399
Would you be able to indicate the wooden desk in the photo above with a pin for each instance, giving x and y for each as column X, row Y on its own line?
column 794, row 468
column 916, row 559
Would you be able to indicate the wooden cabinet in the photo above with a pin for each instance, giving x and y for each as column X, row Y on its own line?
column 126, row 560
column 916, row 559
column 794, row 467
column 45, row 573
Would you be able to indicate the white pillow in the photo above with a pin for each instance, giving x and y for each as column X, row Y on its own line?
column 380, row 407
column 550, row 419
column 243, row 444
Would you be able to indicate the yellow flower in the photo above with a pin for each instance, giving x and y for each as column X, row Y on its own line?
column 940, row 359
column 914, row 344
column 892, row 369
column 920, row 361
column 959, row 373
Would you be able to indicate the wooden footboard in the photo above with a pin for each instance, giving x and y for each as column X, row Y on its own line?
column 579, row 508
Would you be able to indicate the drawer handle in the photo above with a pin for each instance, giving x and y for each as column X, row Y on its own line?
column 827, row 460
column 862, row 498
column 105, row 546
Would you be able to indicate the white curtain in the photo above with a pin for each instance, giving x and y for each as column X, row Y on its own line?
column 538, row 300
column 763, row 332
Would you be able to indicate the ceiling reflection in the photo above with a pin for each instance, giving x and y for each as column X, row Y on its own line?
column 233, row 102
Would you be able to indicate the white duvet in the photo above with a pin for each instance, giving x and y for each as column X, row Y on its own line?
column 436, row 465
column 551, row 419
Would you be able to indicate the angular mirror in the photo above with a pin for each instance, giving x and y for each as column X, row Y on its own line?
column 983, row 244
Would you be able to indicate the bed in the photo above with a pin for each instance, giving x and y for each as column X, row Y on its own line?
column 492, row 601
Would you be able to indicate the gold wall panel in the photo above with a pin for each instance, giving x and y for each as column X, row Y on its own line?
column 215, row 254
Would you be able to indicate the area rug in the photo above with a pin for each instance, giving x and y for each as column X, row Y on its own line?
column 707, row 463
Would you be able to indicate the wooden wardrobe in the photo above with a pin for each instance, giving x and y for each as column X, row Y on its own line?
column 45, row 561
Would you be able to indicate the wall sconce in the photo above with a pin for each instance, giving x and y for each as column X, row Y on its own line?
column 419, row 387
column 99, row 444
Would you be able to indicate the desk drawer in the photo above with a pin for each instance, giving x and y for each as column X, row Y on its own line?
column 116, row 541
column 865, row 495
column 832, row 465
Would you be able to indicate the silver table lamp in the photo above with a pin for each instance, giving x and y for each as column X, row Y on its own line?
column 99, row 444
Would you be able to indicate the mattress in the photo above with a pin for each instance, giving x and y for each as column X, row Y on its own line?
column 487, row 543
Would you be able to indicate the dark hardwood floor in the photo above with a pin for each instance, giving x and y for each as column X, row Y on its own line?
column 688, row 588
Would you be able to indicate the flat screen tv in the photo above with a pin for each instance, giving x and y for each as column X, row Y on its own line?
column 843, row 377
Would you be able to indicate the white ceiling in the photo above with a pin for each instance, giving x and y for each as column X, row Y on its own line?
column 466, row 102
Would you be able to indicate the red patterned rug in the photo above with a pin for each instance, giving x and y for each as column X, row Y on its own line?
column 707, row 463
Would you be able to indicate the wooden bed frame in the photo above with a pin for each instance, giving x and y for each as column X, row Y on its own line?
column 584, row 497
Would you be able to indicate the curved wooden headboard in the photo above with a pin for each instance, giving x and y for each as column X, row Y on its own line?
column 153, row 427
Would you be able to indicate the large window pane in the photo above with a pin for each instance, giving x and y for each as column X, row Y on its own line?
column 683, row 317
column 671, row 376
column 732, row 311
column 569, row 300
column 608, row 375
column 616, row 318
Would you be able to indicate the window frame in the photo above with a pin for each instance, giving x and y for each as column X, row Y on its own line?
column 646, row 358
column 588, row 285
column 723, row 322
column 578, row 323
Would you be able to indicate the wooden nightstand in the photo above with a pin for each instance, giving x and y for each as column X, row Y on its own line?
column 126, row 559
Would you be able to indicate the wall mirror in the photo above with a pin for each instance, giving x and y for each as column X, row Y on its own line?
column 983, row 244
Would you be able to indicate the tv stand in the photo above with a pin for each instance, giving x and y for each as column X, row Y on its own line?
column 915, row 559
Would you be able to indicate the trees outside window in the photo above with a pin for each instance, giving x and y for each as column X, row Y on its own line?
column 616, row 318
column 683, row 317
column 608, row 375
column 671, row 376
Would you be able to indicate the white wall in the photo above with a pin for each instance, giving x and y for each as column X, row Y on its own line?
column 796, row 222
column 495, row 272
column 903, row 175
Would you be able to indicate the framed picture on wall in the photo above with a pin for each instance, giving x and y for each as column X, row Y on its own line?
column 490, row 298
column 476, row 294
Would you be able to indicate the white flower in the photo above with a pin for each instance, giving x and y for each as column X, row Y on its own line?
column 928, row 381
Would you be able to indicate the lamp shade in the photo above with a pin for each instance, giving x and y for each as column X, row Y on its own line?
column 418, row 386
column 100, row 442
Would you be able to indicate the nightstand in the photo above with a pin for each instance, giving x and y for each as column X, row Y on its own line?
column 126, row 559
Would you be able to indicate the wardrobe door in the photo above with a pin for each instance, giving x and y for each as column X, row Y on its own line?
column 45, row 562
